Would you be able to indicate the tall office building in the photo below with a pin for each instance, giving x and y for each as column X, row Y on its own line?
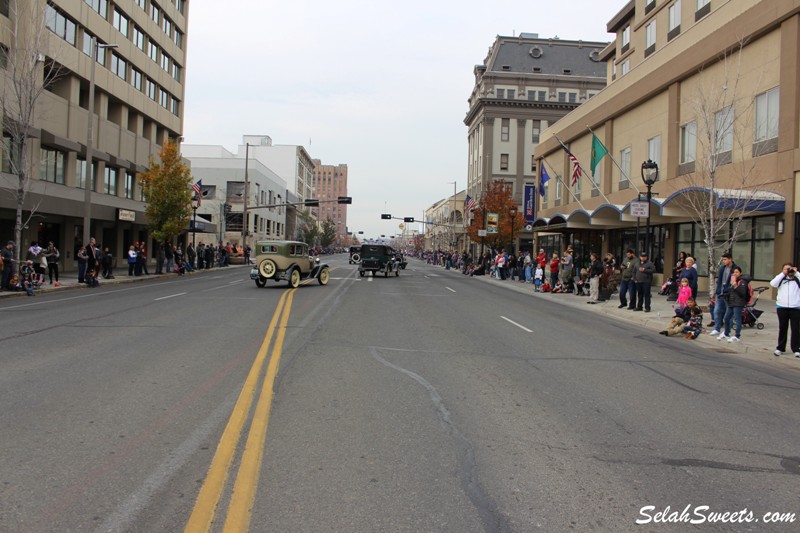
column 330, row 182
column 137, row 63
column 525, row 84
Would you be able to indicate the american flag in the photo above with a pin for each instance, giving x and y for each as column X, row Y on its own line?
column 198, row 191
column 469, row 204
column 576, row 166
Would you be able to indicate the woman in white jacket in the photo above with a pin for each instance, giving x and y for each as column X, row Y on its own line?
column 788, row 302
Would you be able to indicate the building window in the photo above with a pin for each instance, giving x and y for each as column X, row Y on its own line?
column 531, row 95
column 649, row 5
column 155, row 13
column 179, row 5
column 767, row 115
column 165, row 62
column 101, row 6
column 703, row 9
column 675, row 16
column 650, row 38
column 573, row 98
column 689, row 142
column 536, row 130
column 81, row 174
column 59, row 24
column 119, row 66
column 504, row 129
column 140, row 3
column 175, row 106
column 150, row 89
column 542, row 96
column 167, row 27
column 626, row 39
column 130, row 182
column 511, row 94
column 5, row 7
column 503, row 161
column 87, row 43
column 626, row 67
column 110, row 182
column 723, row 130
column 120, row 22
column 501, row 93
column 624, row 168
column 654, row 149
column 101, row 54
column 136, row 79
column 163, row 99
column 152, row 51
column 138, row 38
column 3, row 56
column 51, row 166
column 178, row 38
column 176, row 71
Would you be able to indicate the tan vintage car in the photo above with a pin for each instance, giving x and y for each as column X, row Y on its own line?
column 286, row 260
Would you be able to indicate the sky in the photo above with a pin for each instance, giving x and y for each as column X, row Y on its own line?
column 378, row 85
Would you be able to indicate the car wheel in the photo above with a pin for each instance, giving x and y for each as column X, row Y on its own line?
column 294, row 278
column 356, row 258
column 261, row 282
column 324, row 276
column 267, row 268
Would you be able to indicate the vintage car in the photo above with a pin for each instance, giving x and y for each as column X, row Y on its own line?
column 286, row 260
column 355, row 255
column 378, row 258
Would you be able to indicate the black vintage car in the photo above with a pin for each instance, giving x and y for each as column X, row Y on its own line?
column 378, row 258
column 355, row 255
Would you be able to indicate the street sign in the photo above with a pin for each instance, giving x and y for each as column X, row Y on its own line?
column 481, row 233
column 640, row 209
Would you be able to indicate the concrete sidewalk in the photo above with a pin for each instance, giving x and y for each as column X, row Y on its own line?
column 755, row 344
column 69, row 280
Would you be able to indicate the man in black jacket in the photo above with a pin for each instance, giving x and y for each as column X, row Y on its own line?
column 643, row 276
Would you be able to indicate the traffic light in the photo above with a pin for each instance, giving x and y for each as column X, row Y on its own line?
column 311, row 203
column 361, row 233
column 383, row 236
column 408, row 219
column 386, row 216
column 344, row 200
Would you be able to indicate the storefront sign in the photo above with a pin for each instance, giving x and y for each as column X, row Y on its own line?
column 530, row 203
column 128, row 216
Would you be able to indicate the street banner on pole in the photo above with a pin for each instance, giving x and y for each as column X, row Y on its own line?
column 491, row 223
column 530, row 202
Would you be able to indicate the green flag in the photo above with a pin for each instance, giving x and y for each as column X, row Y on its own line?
column 598, row 152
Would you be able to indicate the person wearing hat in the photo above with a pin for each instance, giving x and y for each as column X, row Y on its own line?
column 643, row 276
column 7, row 258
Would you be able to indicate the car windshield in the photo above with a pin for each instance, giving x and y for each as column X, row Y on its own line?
column 374, row 250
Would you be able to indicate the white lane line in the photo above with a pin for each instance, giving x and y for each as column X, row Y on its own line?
column 369, row 278
column 170, row 296
column 520, row 326
column 237, row 281
column 449, row 289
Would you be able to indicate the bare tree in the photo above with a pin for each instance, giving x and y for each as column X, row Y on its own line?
column 27, row 75
column 724, row 186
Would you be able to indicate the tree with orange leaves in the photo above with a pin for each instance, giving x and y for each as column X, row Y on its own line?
column 496, row 199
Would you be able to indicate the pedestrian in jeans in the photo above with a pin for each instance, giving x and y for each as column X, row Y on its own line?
column 788, row 302
column 643, row 277
column 627, row 288
column 737, row 298
column 555, row 262
column 721, row 292
column 52, row 256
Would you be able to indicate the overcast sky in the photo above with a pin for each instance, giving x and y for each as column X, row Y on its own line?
column 379, row 85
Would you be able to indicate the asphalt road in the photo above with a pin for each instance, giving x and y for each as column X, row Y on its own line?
column 424, row 402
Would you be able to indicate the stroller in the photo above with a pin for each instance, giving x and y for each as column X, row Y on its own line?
column 750, row 314
column 667, row 287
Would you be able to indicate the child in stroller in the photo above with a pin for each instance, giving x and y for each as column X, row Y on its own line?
column 180, row 268
column 750, row 314
column 582, row 283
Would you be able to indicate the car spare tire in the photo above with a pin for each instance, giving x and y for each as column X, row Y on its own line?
column 267, row 268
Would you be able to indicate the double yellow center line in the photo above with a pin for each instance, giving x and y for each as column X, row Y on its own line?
column 244, row 489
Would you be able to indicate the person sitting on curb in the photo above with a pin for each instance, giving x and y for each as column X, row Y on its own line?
column 680, row 320
column 695, row 326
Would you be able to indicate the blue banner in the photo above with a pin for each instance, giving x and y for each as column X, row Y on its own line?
column 530, row 203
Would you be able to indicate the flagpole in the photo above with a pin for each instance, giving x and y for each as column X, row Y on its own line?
column 565, row 185
column 622, row 172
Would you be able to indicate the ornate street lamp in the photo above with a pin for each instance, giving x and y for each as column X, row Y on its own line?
column 649, row 176
column 512, row 212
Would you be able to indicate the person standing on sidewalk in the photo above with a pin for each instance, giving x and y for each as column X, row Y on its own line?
column 643, row 277
column 7, row 258
column 595, row 271
column 737, row 298
column 83, row 259
column 788, row 302
column 627, row 288
column 52, row 255
column 721, row 292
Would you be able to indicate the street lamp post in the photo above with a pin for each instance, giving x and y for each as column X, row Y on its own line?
column 245, row 225
column 512, row 212
column 453, row 215
column 649, row 176
column 194, row 221
column 87, row 193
